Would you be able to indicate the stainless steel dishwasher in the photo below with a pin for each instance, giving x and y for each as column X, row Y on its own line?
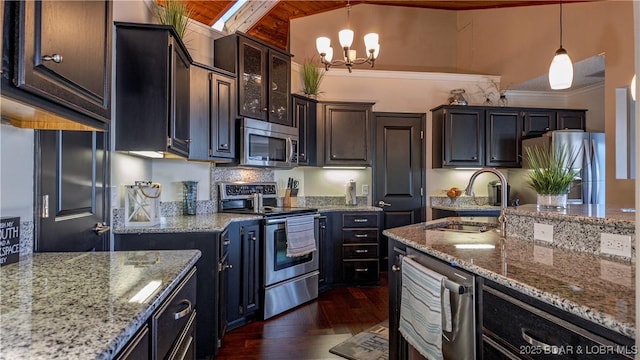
column 460, row 343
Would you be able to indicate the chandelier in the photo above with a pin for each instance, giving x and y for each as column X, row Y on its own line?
column 349, row 58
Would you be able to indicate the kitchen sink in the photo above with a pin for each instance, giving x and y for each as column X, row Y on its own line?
column 461, row 228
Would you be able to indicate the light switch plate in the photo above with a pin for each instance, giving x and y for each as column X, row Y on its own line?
column 615, row 244
column 543, row 232
column 365, row 189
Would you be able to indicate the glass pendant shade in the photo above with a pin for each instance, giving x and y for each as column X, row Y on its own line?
column 633, row 87
column 561, row 71
column 346, row 38
column 376, row 51
column 329, row 54
column 323, row 43
column 370, row 41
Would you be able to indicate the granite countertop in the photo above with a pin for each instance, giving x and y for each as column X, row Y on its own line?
column 592, row 214
column 466, row 208
column 194, row 223
column 462, row 203
column 76, row 305
column 337, row 208
column 596, row 289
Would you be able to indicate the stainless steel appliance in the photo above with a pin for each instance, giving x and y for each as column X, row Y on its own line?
column 589, row 147
column 266, row 144
column 494, row 191
column 460, row 343
column 286, row 281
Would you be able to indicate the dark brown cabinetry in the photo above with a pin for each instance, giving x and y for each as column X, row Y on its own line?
column 476, row 136
column 207, row 296
column 538, row 121
column 152, row 87
column 325, row 277
column 243, row 295
column 47, row 69
column 264, row 77
column 345, row 136
column 397, row 344
column 138, row 348
column 360, row 247
column 213, row 114
column 304, row 112
column 515, row 327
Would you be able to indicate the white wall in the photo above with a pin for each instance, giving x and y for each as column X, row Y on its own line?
column 16, row 176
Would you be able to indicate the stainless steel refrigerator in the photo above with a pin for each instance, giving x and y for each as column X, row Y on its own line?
column 589, row 166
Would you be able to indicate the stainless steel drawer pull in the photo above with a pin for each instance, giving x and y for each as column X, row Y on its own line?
column 185, row 312
column 360, row 251
column 362, row 235
column 185, row 351
column 537, row 343
column 360, row 220
column 227, row 241
column 361, row 269
column 56, row 58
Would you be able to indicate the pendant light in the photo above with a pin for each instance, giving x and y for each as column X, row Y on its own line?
column 633, row 87
column 561, row 69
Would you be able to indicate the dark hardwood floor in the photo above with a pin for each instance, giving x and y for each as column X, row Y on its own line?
column 309, row 331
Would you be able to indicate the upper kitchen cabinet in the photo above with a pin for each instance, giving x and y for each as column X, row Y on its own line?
column 263, row 75
column 304, row 111
column 57, row 59
column 538, row 121
column 345, row 133
column 152, row 87
column 212, row 112
column 458, row 136
column 503, row 135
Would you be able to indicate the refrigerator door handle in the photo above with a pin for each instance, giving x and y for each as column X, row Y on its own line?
column 588, row 195
column 596, row 170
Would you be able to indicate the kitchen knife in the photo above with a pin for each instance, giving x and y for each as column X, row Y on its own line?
column 289, row 183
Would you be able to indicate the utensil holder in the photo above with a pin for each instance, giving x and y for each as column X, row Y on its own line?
column 290, row 198
column 189, row 197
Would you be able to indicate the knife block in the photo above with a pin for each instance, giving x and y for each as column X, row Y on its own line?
column 289, row 199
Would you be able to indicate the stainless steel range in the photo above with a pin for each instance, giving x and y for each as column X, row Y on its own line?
column 287, row 281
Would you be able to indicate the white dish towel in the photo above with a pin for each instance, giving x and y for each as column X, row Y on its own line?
column 300, row 235
column 425, row 310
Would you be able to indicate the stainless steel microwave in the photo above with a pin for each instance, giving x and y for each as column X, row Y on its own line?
column 266, row 144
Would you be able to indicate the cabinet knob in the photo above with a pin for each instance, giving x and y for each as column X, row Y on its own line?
column 187, row 141
column 547, row 129
column 56, row 58
column 224, row 146
column 301, row 154
column 265, row 109
column 493, row 158
column 395, row 268
column 474, row 158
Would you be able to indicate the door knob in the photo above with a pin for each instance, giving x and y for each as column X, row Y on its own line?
column 383, row 204
column 101, row 228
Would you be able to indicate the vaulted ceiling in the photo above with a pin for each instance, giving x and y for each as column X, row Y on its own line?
column 268, row 20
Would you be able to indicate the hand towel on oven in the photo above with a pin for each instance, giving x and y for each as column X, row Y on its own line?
column 424, row 310
column 300, row 235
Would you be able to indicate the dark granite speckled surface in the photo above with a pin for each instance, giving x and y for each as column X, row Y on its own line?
column 594, row 288
column 76, row 305
column 184, row 223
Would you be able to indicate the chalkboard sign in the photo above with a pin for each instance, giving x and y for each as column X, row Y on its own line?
column 9, row 240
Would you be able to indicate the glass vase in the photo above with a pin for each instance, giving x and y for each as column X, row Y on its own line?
column 551, row 202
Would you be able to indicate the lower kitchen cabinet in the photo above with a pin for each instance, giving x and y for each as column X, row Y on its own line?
column 170, row 331
column 360, row 247
column 515, row 326
column 206, row 328
column 325, row 260
column 243, row 298
column 397, row 344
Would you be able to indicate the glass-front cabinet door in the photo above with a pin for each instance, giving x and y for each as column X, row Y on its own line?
column 280, row 73
column 252, row 94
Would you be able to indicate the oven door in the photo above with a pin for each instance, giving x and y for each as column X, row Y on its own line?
column 278, row 266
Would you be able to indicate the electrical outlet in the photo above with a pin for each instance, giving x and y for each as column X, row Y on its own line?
column 543, row 232
column 365, row 189
column 615, row 244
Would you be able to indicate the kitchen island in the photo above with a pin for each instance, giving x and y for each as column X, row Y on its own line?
column 79, row 305
column 598, row 292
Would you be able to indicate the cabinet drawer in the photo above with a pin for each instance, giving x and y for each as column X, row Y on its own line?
column 360, row 236
column 359, row 251
column 186, row 345
column 359, row 220
column 531, row 332
column 138, row 347
column 360, row 270
column 173, row 315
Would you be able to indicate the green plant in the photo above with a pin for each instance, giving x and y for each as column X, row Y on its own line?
column 311, row 78
column 173, row 12
column 552, row 170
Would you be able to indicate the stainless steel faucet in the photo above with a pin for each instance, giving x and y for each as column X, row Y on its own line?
column 503, row 201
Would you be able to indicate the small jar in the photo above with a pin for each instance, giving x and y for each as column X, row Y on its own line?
column 457, row 97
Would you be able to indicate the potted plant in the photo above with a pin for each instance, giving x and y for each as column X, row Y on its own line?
column 551, row 174
column 311, row 78
column 173, row 12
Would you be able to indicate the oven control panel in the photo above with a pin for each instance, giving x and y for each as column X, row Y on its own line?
column 230, row 191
